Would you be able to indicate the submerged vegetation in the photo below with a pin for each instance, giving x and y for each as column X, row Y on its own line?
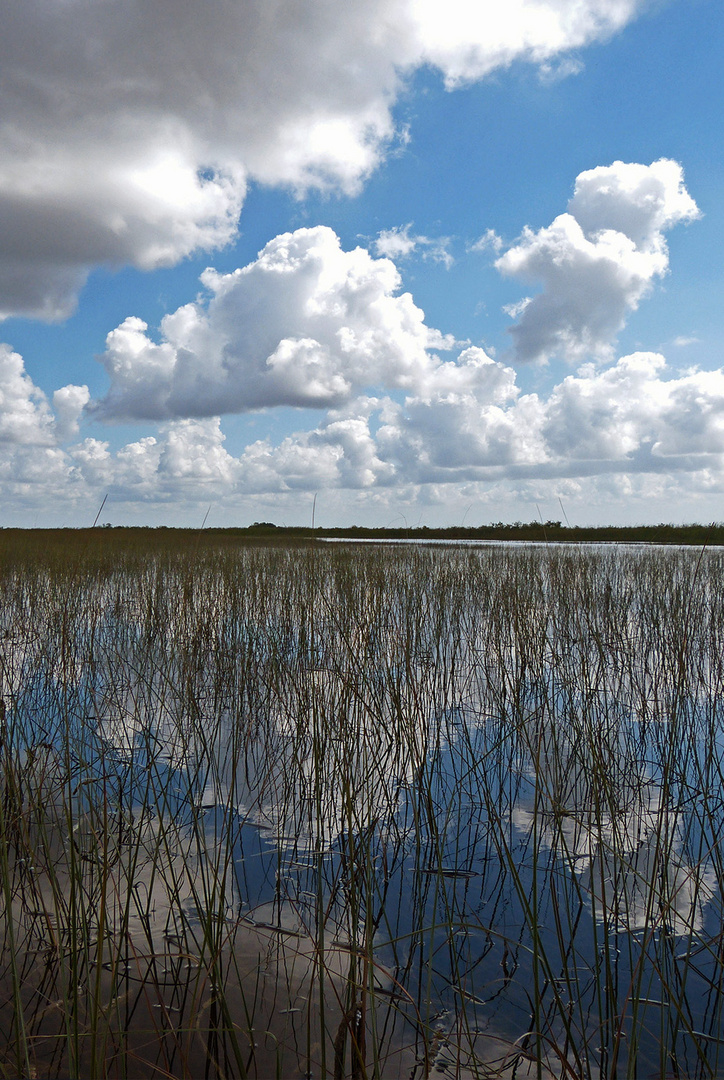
column 353, row 811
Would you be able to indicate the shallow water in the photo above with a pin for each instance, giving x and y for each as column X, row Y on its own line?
column 462, row 807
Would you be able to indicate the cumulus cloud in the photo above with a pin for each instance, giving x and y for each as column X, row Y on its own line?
column 130, row 131
column 25, row 416
column 39, row 476
column 33, row 467
column 449, row 440
column 692, row 416
column 193, row 450
column 68, row 404
column 597, row 260
column 468, row 41
column 633, row 427
column 306, row 324
column 629, row 418
column 607, row 415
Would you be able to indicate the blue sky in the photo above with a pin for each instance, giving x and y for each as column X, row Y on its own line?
column 463, row 265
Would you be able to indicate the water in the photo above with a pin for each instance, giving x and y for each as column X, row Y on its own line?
column 475, row 796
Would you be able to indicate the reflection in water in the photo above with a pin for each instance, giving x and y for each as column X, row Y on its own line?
column 321, row 765
column 630, row 861
column 325, row 829
column 430, row 815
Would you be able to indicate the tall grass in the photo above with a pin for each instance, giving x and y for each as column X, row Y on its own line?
column 359, row 811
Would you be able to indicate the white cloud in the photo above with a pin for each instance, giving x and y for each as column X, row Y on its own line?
column 457, row 438
column 93, row 462
column 607, row 415
column 193, row 450
column 640, row 201
column 630, row 418
column 632, row 430
column 469, row 41
column 68, row 405
column 518, row 307
column 130, row 131
column 489, row 241
column 597, row 260
column 550, row 73
column 305, row 324
column 437, row 250
column 32, row 467
column 25, row 417
column 302, row 463
column 396, row 244
column 39, row 476
column 187, row 460
column 693, row 416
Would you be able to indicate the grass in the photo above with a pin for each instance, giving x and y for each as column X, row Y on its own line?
column 305, row 810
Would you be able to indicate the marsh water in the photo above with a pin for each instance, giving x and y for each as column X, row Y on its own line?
column 362, row 811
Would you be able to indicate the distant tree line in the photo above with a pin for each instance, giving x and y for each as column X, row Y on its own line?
column 106, row 543
column 545, row 531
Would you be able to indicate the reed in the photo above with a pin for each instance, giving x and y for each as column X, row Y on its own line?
column 281, row 809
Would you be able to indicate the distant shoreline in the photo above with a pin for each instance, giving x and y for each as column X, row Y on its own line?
column 543, row 532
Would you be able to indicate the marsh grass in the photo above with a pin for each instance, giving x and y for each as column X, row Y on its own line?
column 295, row 810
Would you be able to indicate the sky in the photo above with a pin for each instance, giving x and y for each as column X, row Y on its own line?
column 409, row 262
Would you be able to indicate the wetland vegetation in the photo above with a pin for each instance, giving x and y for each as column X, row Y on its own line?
column 292, row 809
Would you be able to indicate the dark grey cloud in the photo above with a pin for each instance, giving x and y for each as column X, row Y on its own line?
column 129, row 130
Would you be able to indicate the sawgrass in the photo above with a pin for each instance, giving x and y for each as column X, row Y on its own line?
column 295, row 809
